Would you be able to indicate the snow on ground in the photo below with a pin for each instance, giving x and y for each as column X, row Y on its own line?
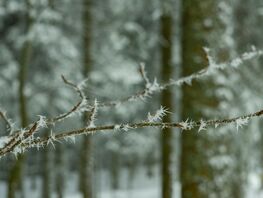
column 141, row 187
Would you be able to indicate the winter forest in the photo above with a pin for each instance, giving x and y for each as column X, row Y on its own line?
column 131, row 99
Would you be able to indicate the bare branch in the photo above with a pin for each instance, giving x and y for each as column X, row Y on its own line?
column 81, row 106
column 144, row 73
column 9, row 127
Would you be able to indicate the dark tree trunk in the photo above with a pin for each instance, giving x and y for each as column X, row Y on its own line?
column 15, row 177
column 115, row 170
column 85, row 177
column 196, row 26
column 85, row 180
column 46, row 187
column 166, row 101
column 60, row 170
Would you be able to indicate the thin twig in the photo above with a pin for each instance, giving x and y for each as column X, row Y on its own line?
column 193, row 124
column 75, row 108
column 24, row 138
column 8, row 124
column 208, row 70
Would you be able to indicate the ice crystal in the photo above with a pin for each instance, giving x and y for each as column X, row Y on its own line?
column 202, row 125
column 42, row 122
column 159, row 114
column 117, row 127
column 187, row 125
column 240, row 122
column 3, row 141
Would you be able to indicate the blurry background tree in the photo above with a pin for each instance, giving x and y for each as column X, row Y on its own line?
column 198, row 23
column 166, row 40
column 15, row 180
column 86, row 156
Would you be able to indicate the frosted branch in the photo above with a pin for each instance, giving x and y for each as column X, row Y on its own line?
column 212, row 68
column 25, row 138
column 24, row 142
column 144, row 74
column 92, row 114
column 79, row 107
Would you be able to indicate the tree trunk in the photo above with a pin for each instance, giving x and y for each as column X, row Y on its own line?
column 85, row 182
column 115, row 170
column 46, row 177
column 85, row 177
column 60, row 170
column 15, row 180
column 166, row 98
column 197, row 25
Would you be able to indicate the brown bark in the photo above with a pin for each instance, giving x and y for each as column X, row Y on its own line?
column 195, row 170
column 86, row 168
column 85, row 177
column 46, row 187
column 15, row 180
column 60, row 171
column 166, row 101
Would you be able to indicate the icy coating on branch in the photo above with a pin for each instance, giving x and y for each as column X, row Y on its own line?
column 213, row 67
column 18, row 141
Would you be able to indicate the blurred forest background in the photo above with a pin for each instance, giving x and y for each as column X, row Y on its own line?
column 104, row 41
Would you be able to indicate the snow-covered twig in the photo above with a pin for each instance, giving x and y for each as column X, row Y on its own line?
column 213, row 67
column 15, row 141
column 149, row 89
column 25, row 138
column 92, row 115
column 80, row 107
column 144, row 73
column 186, row 125
column 158, row 115
column 153, row 87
